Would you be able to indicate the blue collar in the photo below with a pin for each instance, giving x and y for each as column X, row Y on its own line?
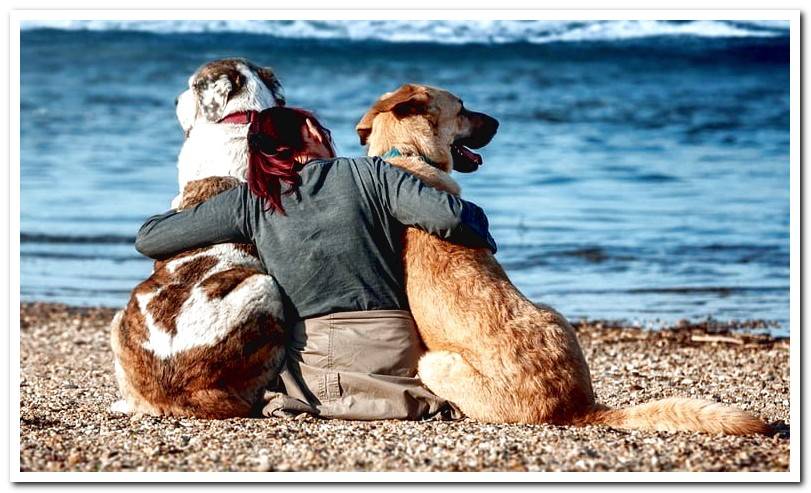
column 394, row 152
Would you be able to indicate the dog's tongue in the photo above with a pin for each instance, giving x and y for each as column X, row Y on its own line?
column 470, row 155
column 465, row 160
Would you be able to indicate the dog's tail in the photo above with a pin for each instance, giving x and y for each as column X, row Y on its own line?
column 677, row 414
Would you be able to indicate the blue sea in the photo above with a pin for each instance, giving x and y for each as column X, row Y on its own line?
column 640, row 172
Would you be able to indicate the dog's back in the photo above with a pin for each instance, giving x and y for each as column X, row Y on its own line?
column 200, row 337
column 213, row 149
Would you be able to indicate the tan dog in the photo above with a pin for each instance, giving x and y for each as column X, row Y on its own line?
column 492, row 351
column 200, row 336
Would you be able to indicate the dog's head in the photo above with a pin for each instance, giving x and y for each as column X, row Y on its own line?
column 225, row 86
column 430, row 121
column 197, row 191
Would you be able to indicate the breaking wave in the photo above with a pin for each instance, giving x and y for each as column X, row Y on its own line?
column 439, row 31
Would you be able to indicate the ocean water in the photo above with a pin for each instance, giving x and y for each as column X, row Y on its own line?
column 640, row 172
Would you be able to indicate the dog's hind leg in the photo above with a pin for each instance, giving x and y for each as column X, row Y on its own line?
column 449, row 376
column 257, row 298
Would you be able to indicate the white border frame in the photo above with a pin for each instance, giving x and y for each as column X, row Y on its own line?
column 793, row 475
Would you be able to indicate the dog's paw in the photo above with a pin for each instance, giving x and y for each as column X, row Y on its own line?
column 449, row 185
column 439, row 366
column 120, row 407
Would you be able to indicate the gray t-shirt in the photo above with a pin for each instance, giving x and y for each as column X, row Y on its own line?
column 338, row 246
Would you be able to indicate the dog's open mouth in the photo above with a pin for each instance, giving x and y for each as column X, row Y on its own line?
column 465, row 160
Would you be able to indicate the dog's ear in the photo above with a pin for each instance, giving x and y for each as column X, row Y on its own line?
column 267, row 76
column 364, row 126
column 212, row 93
column 407, row 100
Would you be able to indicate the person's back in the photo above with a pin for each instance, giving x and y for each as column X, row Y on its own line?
column 335, row 237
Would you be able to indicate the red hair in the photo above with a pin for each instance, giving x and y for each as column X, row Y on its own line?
column 274, row 141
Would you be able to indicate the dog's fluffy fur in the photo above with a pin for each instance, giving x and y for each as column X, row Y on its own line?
column 199, row 337
column 492, row 351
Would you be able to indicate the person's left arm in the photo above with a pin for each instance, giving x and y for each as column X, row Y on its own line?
column 414, row 203
column 220, row 219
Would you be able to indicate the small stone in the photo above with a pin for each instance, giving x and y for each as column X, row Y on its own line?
column 264, row 464
column 74, row 458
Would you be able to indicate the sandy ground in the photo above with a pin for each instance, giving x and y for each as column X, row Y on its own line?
column 67, row 386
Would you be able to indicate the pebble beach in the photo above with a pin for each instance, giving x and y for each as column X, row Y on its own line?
column 67, row 386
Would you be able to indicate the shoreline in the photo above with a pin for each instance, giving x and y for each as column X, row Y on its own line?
column 749, row 330
column 67, row 385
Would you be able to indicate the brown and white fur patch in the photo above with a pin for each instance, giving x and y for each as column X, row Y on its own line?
column 218, row 89
column 492, row 351
column 200, row 336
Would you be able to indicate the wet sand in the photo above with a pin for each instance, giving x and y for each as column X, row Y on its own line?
column 68, row 385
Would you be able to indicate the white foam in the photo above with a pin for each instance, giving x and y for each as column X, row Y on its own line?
column 440, row 31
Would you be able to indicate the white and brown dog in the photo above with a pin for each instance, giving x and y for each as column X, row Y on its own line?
column 216, row 145
column 200, row 337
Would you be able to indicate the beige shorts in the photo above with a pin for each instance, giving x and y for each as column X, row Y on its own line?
column 356, row 365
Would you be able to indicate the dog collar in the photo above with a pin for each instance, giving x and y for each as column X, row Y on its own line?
column 394, row 152
column 240, row 117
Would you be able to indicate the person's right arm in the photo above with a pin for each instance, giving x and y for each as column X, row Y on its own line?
column 220, row 219
column 414, row 203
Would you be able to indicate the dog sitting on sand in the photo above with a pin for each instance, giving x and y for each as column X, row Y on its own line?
column 199, row 337
column 493, row 352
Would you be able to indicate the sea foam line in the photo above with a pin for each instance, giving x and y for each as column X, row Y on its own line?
column 439, row 31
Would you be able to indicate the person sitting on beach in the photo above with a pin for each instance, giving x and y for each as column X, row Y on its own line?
column 330, row 230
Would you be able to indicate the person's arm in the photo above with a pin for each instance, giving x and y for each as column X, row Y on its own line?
column 220, row 219
column 440, row 213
